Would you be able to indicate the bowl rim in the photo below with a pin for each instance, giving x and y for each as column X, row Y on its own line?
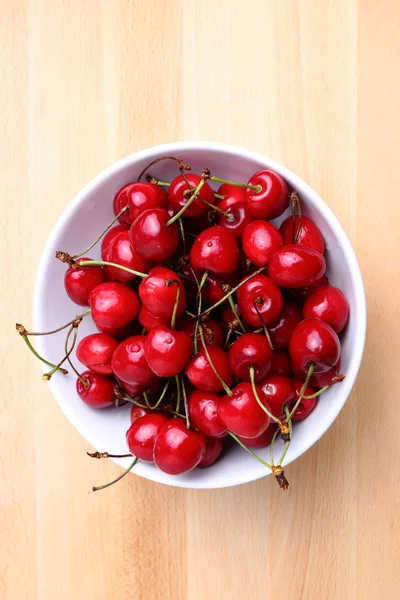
column 312, row 197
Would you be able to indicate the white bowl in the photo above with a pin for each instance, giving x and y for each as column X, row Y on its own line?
column 88, row 214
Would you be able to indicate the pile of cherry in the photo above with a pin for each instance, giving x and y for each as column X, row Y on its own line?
column 213, row 323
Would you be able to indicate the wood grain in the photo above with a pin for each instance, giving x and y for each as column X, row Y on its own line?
column 313, row 84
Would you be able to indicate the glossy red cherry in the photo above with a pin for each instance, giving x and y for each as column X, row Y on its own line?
column 177, row 449
column 233, row 194
column 296, row 266
column 135, row 390
column 120, row 333
column 212, row 452
column 139, row 411
column 95, row 352
column 237, row 220
column 260, row 242
column 100, row 391
column 142, row 434
column 138, row 196
column 306, row 405
column 122, row 253
column 129, row 361
column 178, row 198
column 261, row 292
column 213, row 332
column 80, row 281
column 318, row 380
column 213, row 290
column 250, row 350
column 152, row 237
column 279, row 391
column 272, row 200
column 329, row 304
column 314, row 342
column 201, row 374
column 309, row 236
column 262, row 440
column 281, row 330
column 113, row 305
column 241, row 413
column 215, row 249
column 148, row 320
column 203, row 413
column 108, row 238
column 280, row 363
column 158, row 292
column 168, row 351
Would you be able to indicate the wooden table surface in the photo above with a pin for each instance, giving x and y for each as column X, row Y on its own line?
column 313, row 84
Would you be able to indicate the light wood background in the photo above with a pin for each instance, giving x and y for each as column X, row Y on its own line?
column 311, row 83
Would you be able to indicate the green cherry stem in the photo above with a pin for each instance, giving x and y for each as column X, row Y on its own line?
column 264, row 327
column 173, row 318
column 181, row 229
column 105, row 263
column 255, row 188
column 188, row 203
column 253, row 387
column 237, row 440
column 226, row 388
column 162, row 396
column 178, row 394
column 43, row 360
column 146, row 399
column 22, row 331
column 303, row 389
column 296, row 207
column 271, row 448
column 106, row 485
column 121, row 212
column 235, row 312
column 287, row 444
column 318, row 393
column 185, row 404
column 107, row 455
column 199, row 298
column 74, row 328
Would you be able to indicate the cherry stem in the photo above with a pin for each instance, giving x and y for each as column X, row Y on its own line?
column 185, row 404
column 156, row 181
column 199, row 303
column 121, row 212
column 178, row 295
column 232, row 291
column 107, row 455
column 178, row 394
column 253, row 387
column 106, row 485
column 162, row 396
column 318, row 393
column 47, row 376
column 226, row 388
column 181, row 164
column 212, row 206
column 22, row 331
column 235, row 312
column 218, row 196
column 180, row 222
column 146, row 399
column 295, row 205
column 287, row 444
column 105, row 263
column 255, row 188
column 302, row 391
column 253, row 454
column 228, row 337
column 264, row 327
column 43, row 360
column 74, row 328
column 271, row 448
column 188, row 203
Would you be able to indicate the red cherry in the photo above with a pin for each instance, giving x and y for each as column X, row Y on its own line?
column 168, row 351
column 280, row 363
column 309, row 236
column 177, row 449
column 272, row 200
column 296, row 266
column 261, row 292
column 135, row 390
column 212, row 291
column 148, row 320
column 142, row 434
column 212, row 452
column 79, row 282
column 129, row 361
column 241, row 413
column 306, row 405
column 203, row 413
column 113, row 305
column 237, row 221
column 122, row 253
column 152, row 237
column 158, row 292
column 178, row 199
column 201, row 374
column 120, row 333
column 213, row 332
column 260, row 242
column 329, row 304
column 138, row 196
column 262, row 440
column 100, row 391
column 95, row 352
column 215, row 249
column 314, row 342
column 278, row 390
column 132, row 389
column 233, row 195
column 318, row 380
column 281, row 330
column 138, row 411
column 108, row 238
column 250, row 350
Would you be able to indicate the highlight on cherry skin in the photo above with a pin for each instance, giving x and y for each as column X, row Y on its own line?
column 216, row 327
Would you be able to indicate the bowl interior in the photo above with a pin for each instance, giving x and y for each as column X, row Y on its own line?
column 83, row 220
